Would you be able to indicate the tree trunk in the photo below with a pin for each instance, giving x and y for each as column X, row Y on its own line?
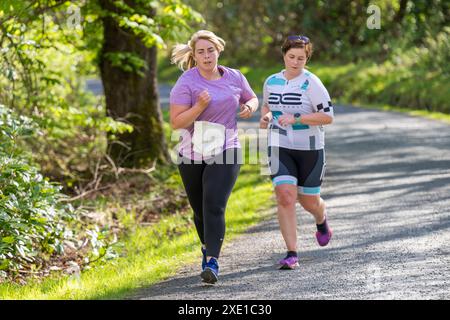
column 400, row 14
column 131, row 97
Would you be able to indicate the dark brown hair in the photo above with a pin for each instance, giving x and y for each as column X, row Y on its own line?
column 297, row 43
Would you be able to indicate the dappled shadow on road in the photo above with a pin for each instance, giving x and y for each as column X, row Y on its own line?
column 387, row 188
column 395, row 234
column 389, row 158
column 193, row 285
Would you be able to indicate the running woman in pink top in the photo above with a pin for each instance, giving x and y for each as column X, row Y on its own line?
column 203, row 105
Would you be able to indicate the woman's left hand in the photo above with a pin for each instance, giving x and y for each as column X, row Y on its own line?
column 246, row 111
column 286, row 119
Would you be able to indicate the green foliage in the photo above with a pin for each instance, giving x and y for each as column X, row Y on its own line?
column 154, row 22
column 338, row 29
column 47, row 51
column 147, row 250
column 415, row 79
column 36, row 223
column 32, row 221
column 48, row 48
column 128, row 62
column 175, row 18
column 143, row 27
column 404, row 63
column 42, row 75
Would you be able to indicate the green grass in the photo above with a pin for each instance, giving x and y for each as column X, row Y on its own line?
column 405, row 88
column 150, row 254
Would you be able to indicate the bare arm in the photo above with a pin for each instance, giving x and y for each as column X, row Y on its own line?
column 266, row 117
column 183, row 116
column 253, row 103
column 316, row 119
column 246, row 112
column 312, row 119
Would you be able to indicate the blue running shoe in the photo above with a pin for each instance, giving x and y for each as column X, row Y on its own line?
column 211, row 272
column 204, row 258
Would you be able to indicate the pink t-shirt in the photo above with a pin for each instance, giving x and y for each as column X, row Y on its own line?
column 227, row 93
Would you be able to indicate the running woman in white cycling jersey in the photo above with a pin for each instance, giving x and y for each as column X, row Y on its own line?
column 296, row 106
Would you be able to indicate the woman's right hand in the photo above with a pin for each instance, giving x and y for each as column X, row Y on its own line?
column 203, row 99
column 264, row 121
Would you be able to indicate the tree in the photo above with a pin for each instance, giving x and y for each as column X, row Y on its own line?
column 132, row 31
column 124, row 35
column 131, row 96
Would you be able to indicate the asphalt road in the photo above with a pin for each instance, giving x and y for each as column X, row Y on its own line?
column 388, row 192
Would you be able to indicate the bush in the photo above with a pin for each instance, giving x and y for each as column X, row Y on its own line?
column 416, row 78
column 32, row 220
column 37, row 228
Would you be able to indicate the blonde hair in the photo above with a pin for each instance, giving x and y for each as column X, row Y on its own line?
column 183, row 54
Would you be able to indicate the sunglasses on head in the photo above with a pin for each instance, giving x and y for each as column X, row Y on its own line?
column 305, row 39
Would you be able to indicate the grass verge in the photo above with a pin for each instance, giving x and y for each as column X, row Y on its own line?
column 147, row 250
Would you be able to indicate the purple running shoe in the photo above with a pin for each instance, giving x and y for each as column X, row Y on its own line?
column 324, row 238
column 289, row 263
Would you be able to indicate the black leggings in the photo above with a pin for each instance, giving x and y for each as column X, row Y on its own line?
column 208, row 186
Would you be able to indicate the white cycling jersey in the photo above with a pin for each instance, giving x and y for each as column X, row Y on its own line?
column 304, row 94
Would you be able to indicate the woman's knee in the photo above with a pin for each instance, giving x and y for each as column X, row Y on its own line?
column 311, row 203
column 215, row 207
column 286, row 197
